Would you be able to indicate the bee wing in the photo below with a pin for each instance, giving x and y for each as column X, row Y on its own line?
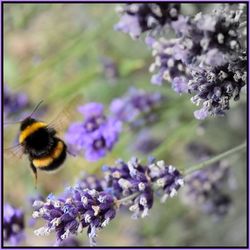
column 66, row 116
column 16, row 151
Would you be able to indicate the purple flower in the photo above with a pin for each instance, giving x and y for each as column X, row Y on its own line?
column 128, row 184
column 13, row 225
column 167, row 66
column 138, row 18
column 205, row 189
column 166, row 177
column 129, row 178
column 14, row 102
column 145, row 142
column 80, row 208
column 215, row 88
column 96, row 135
column 136, row 107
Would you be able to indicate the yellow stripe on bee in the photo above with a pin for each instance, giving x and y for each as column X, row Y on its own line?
column 30, row 129
column 47, row 160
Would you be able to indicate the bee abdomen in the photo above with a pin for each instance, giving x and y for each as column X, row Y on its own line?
column 54, row 159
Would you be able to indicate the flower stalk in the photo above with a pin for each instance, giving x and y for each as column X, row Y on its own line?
column 216, row 158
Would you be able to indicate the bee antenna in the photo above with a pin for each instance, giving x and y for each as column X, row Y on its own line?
column 36, row 108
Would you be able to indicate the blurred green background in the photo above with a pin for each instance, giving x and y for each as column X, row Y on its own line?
column 55, row 51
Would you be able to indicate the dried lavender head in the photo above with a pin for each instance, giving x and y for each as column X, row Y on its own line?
column 96, row 135
column 78, row 209
column 137, row 18
column 13, row 225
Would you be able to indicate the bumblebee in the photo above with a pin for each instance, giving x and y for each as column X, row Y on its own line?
column 39, row 140
column 45, row 150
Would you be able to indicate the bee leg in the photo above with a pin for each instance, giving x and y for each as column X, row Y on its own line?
column 35, row 173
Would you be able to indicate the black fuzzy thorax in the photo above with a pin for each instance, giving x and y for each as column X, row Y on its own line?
column 40, row 142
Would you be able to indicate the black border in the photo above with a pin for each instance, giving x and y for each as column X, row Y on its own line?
column 120, row 247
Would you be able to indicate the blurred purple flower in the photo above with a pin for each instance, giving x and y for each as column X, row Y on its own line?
column 14, row 103
column 96, row 135
column 13, row 225
column 205, row 189
column 136, row 107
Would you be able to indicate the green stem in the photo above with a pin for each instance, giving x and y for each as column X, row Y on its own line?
column 194, row 168
column 215, row 159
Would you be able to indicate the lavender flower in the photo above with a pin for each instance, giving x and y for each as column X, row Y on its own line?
column 129, row 178
column 207, row 59
column 14, row 102
column 136, row 107
column 138, row 18
column 166, row 177
column 205, row 189
column 80, row 208
column 125, row 184
column 13, row 225
column 169, row 68
column 215, row 88
column 96, row 135
column 208, row 38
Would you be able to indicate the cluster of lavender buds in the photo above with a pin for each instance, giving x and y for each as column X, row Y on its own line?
column 136, row 107
column 125, row 179
column 80, row 208
column 211, row 47
column 167, row 66
column 127, row 184
column 206, row 58
column 13, row 225
column 96, row 135
column 216, row 87
column 14, row 102
column 205, row 189
column 137, row 18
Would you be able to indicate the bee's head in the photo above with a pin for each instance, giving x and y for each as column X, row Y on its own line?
column 27, row 122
